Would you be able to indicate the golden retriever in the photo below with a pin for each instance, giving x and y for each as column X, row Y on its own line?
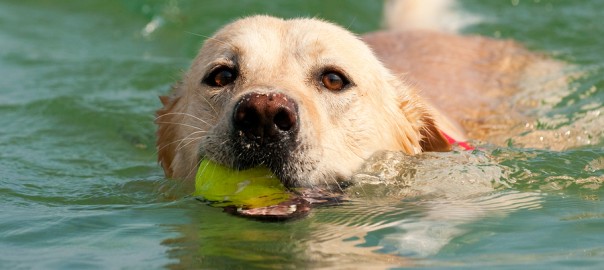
column 311, row 101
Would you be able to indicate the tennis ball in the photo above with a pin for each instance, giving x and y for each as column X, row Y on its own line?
column 251, row 188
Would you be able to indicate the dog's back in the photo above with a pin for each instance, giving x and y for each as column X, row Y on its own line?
column 468, row 79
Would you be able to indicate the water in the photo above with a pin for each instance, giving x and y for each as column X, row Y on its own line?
column 80, row 188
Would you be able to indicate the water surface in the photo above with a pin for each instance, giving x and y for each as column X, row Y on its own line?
column 80, row 187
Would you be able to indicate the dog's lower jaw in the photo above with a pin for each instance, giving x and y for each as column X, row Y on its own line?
column 291, row 165
column 295, row 168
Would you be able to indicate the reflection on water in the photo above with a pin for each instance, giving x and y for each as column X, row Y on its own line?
column 352, row 235
column 443, row 220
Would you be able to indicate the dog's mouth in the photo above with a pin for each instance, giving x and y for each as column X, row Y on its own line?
column 278, row 156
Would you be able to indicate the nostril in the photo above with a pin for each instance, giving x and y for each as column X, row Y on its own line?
column 247, row 117
column 284, row 119
column 248, row 120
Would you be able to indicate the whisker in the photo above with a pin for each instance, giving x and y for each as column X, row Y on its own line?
column 191, row 140
column 186, row 125
column 211, row 38
column 168, row 144
column 210, row 104
column 195, row 133
column 178, row 113
column 188, row 137
column 195, row 168
column 180, row 140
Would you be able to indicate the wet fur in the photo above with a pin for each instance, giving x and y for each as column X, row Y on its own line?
column 463, row 76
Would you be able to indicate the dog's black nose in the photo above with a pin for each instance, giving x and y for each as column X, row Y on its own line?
column 266, row 118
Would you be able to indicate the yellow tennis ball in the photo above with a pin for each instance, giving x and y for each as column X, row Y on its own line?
column 251, row 188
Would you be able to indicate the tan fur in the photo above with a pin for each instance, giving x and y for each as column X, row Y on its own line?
column 467, row 77
column 338, row 131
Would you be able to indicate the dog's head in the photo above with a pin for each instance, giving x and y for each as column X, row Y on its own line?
column 303, row 97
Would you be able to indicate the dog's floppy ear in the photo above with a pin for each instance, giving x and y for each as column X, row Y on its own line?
column 167, row 132
column 432, row 138
column 421, row 117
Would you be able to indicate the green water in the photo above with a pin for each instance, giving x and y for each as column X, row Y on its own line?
column 80, row 188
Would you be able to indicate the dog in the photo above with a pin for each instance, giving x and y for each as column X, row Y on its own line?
column 311, row 101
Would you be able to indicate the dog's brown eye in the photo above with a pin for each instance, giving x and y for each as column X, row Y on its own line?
column 334, row 81
column 221, row 77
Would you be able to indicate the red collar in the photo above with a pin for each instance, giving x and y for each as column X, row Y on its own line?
column 464, row 145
